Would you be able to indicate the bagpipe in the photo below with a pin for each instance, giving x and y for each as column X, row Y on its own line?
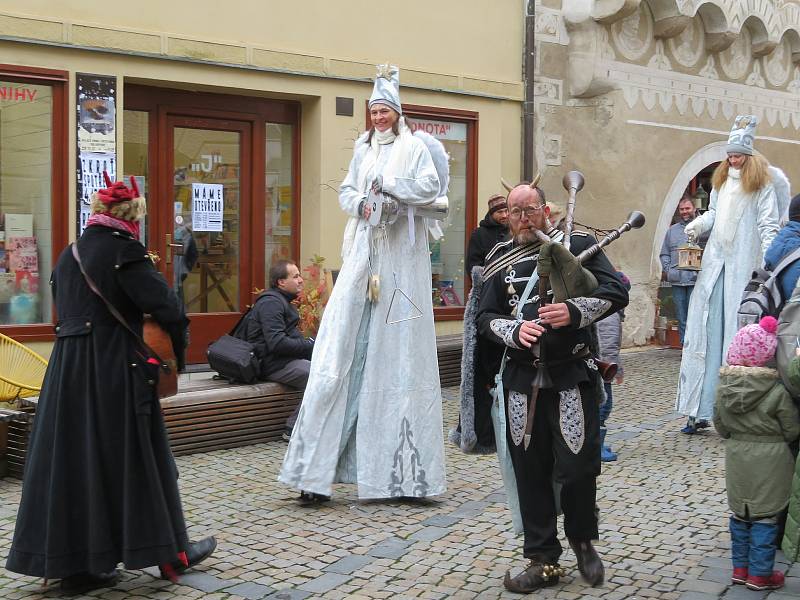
column 561, row 276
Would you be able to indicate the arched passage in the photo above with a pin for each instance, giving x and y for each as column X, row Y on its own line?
column 711, row 153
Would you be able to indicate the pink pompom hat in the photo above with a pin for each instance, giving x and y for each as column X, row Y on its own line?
column 754, row 345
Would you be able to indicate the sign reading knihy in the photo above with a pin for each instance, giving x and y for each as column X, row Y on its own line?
column 207, row 206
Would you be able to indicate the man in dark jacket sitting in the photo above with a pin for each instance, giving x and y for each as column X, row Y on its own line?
column 272, row 327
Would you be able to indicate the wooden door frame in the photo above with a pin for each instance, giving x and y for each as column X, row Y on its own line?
column 165, row 107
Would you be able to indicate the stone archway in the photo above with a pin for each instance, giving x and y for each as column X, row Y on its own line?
column 711, row 153
column 639, row 328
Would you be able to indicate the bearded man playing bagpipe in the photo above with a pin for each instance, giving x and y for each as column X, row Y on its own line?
column 546, row 416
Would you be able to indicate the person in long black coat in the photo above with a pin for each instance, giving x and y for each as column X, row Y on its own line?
column 100, row 485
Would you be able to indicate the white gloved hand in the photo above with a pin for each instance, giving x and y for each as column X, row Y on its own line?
column 692, row 231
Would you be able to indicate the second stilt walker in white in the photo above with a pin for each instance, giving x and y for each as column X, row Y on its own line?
column 372, row 409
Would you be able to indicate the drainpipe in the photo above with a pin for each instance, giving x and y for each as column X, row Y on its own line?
column 528, row 65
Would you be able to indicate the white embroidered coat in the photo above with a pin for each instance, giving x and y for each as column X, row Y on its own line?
column 755, row 219
column 398, row 446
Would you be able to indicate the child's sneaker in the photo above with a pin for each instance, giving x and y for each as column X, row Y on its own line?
column 739, row 575
column 769, row 582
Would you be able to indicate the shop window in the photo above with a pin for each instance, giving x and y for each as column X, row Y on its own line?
column 279, row 195
column 136, row 128
column 32, row 173
column 457, row 131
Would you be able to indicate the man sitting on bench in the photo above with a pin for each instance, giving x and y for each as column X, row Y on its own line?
column 271, row 326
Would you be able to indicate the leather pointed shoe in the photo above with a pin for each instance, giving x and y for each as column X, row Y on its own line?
column 81, row 583
column 589, row 563
column 535, row 577
column 196, row 553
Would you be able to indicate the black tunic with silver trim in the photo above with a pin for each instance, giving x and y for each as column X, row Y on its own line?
column 508, row 275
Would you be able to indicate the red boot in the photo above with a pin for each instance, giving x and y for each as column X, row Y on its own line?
column 739, row 575
column 768, row 582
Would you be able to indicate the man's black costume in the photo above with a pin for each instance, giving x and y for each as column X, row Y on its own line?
column 562, row 421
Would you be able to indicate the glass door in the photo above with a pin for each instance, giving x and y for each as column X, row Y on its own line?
column 205, row 243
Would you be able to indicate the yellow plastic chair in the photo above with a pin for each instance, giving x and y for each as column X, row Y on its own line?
column 21, row 370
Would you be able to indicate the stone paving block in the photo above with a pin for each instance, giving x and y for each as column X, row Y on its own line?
column 698, row 596
column 697, row 585
column 740, row 592
column 472, row 508
column 349, row 564
column 392, row 548
column 204, row 582
column 289, row 594
column 251, row 591
column 497, row 497
column 716, row 561
column 324, row 583
column 429, row 534
column 440, row 521
column 720, row 575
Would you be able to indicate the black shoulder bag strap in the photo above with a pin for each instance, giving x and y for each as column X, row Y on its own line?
column 244, row 315
column 114, row 312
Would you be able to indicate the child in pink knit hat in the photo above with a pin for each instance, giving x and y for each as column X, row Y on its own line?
column 757, row 417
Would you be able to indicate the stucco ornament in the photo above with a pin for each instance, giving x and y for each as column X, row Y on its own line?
column 735, row 61
column 633, row 34
column 756, row 78
column 687, row 48
column 778, row 64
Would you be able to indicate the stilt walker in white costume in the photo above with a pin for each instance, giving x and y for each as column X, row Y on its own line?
column 747, row 203
column 372, row 409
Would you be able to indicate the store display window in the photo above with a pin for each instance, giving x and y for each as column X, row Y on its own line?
column 279, row 194
column 457, row 131
column 32, row 170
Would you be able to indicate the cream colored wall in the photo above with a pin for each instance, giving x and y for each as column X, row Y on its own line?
column 440, row 44
column 326, row 139
column 458, row 32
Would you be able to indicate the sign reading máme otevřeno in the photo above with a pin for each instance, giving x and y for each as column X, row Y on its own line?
column 207, row 206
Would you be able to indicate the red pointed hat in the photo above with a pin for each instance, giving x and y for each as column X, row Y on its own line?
column 117, row 192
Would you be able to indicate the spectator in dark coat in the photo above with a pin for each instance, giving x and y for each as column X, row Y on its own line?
column 492, row 229
column 271, row 326
column 787, row 240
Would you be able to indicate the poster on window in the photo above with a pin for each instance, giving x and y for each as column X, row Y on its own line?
column 207, row 206
column 97, row 148
column 96, row 113
column 91, row 170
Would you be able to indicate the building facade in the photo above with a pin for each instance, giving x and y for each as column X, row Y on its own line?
column 640, row 96
column 238, row 123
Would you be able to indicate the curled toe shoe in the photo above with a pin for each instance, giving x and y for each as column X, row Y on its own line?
column 536, row 576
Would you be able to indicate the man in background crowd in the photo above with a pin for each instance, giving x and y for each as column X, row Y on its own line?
column 682, row 281
column 491, row 230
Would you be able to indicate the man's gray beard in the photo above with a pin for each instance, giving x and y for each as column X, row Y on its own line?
column 528, row 235
column 525, row 236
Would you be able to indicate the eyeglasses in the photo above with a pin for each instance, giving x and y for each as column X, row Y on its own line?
column 529, row 211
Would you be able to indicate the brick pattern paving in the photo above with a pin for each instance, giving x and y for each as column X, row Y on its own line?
column 663, row 522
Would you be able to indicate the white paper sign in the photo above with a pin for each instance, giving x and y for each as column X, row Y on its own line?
column 207, row 206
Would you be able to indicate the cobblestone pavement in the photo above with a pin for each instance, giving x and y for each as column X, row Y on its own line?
column 663, row 522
